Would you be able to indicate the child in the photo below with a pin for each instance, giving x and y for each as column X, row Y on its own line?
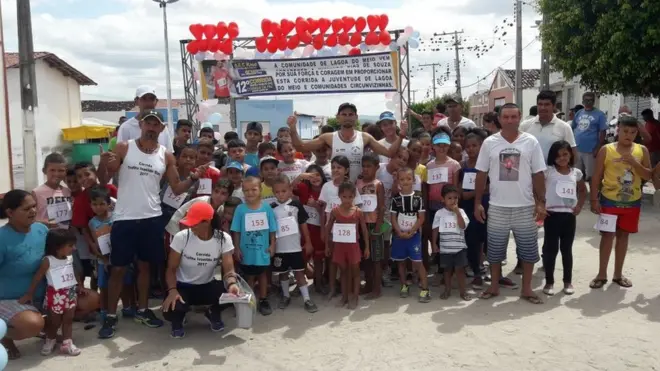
column 83, row 258
column 565, row 193
column 267, row 149
column 236, row 151
column 186, row 162
column 222, row 190
column 414, row 157
column 253, row 136
column 449, row 226
column 322, row 156
column 345, row 221
column 290, row 166
column 183, row 132
column 458, row 136
column 372, row 192
column 407, row 217
column 284, row 135
column 204, row 186
column 308, row 192
column 228, row 210
column 620, row 169
column 291, row 224
column 491, row 123
column 235, row 175
column 62, row 291
column 53, row 199
column 268, row 169
column 455, row 151
column 253, row 231
column 427, row 146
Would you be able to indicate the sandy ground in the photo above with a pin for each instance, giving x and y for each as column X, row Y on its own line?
column 608, row 329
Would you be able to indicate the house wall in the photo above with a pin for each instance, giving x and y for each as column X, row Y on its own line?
column 479, row 106
column 306, row 127
column 529, row 100
column 271, row 113
column 112, row 116
column 5, row 169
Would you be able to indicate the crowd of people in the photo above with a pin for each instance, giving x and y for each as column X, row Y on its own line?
column 162, row 217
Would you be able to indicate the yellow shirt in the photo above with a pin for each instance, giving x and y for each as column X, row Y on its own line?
column 621, row 185
column 420, row 177
column 267, row 194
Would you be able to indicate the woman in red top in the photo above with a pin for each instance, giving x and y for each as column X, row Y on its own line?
column 342, row 242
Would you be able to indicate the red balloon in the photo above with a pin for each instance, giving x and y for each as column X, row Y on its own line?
column 355, row 51
column 318, row 45
column 265, row 26
column 384, row 20
column 301, row 25
column 371, row 38
column 373, row 21
column 197, row 30
column 287, row 26
column 232, row 30
column 331, row 41
column 209, row 31
column 324, row 25
column 293, row 42
column 227, row 47
column 312, row 25
column 192, row 47
column 385, row 38
column 318, row 39
column 337, row 25
column 343, row 38
column 360, row 24
column 281, row 43
column 275, row 29
column 272, row 45
column 221, row 30
column 214, row 44
column 306, row 38
column 261, row 43
column 356, row 39
column 349, row 22
column 203, row 45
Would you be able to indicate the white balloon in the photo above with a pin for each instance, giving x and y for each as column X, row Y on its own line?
column 297, row 53
column 390, row 105
column 248, row 54
column 408, row 31
column 309, row 49
column 200, row 56
column 402, row 40
column 396, row 97
column 218, row 56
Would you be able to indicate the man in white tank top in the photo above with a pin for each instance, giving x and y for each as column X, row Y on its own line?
column 346, row 141
column 138, row 228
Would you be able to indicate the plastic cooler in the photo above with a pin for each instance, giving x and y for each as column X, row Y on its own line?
column 244, row 304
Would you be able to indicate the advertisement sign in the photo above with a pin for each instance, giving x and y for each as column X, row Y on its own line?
column 378, row 72
column 215, row 79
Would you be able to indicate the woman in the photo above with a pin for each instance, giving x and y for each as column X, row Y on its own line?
column 22, row 245
column 194, row 255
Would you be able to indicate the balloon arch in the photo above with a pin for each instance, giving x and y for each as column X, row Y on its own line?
column 288, row 39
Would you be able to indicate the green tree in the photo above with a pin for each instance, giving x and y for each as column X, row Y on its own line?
column 429, row 104
column 332, row 121
column 611, row 45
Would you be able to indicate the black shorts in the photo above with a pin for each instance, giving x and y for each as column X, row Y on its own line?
column 142, row 238
column 253, row 270
column 87, row 267
column 455, row 260
column 285, row 262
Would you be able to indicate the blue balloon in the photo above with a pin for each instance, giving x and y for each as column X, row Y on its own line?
column 288, row 52
column 334, row 50
column 394, row 46
column 215, row 118
column 4, row 358
column 413, row 43
column 363, row 47
column 415, row 35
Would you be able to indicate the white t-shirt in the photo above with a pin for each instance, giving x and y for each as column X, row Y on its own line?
column 292, row 170
column 330, row 195
column 238, row 193
column 199, row 258
column 386, row 144
column 549, row 133
column 388, row 182
column 510, row 167
column 465, row 122
column 130, row 129
column 561, row 190
column 450, row 241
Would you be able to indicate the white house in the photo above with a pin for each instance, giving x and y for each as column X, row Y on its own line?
column 569, row 94
column 58, row 94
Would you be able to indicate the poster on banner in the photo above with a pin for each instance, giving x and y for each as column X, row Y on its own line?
column 377, row 72
column 214, row 79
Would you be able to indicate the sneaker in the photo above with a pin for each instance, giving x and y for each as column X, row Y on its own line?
column 477, row 284
column 148, row 318
column 69, row 348
column 102, row 316
column 47, row 348
column 404, row 291
column 424, row 296
column 387, row 282
column 506, row 282
column 310, row 307
column 177, row 333
column 214, row 320
column 284, row 302
column 264, row 307
column 108, row 329
column 129, row 312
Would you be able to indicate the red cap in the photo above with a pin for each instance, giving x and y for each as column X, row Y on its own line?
column 198, row 212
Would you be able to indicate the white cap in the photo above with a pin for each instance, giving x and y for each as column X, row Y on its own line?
column 143, row 90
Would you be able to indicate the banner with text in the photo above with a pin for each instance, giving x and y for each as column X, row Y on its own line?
column 378, row 72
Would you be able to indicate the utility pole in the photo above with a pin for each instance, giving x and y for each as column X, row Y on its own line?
column 519, row 90
column 433, row 65
column 170, row 120
column 457, row 44
column 29, row 102
column 545, row 63
column 413, row 95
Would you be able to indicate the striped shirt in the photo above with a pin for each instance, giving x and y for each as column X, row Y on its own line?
column 450, row 242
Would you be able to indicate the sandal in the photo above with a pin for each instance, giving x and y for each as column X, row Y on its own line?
column 445, row 295
column 598, row 283
column 623, row 282
column 532, row 299
column 465, row 296
column 488, row 295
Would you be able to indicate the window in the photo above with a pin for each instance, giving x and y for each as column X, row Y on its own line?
column 500, row 101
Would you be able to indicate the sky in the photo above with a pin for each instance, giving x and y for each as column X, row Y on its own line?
column 119, row 43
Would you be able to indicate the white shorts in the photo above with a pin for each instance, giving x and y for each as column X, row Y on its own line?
column 585, row 162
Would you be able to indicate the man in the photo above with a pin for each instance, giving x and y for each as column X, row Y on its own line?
column 455, row 115
column 652, row 140
column 589, row 126
column 346, row 141
column 513, row 161
column 137, row 231
column 183, row 133
column 612, row 127
column 546, row 127
column 387, row 124
column 145, row 100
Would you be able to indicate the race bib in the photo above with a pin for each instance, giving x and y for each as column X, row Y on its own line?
column 313, row 214
column 566, row 189
column 104, row 244
column 448, row 224
column 63, row 277
column 344, row 232
column 406, row 222
column 172, row 200
column 438, row 175
column 59, row 212
column 418, row 183
column 287, row 226
column 606, row 223
column 469, row 181
column 205, row 186
column 256, row 222
column 369, row 203
column 334, row 202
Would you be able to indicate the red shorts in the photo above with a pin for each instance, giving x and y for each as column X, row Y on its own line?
column 317, row 243
column 346, row 254
column 627, row 217
column 59, row 301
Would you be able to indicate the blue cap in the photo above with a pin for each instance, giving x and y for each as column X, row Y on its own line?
column 387, row 115
column 234, row 165
column 441, row 138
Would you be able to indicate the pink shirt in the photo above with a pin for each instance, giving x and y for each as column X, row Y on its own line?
column 435, row 190
column 56, row 200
